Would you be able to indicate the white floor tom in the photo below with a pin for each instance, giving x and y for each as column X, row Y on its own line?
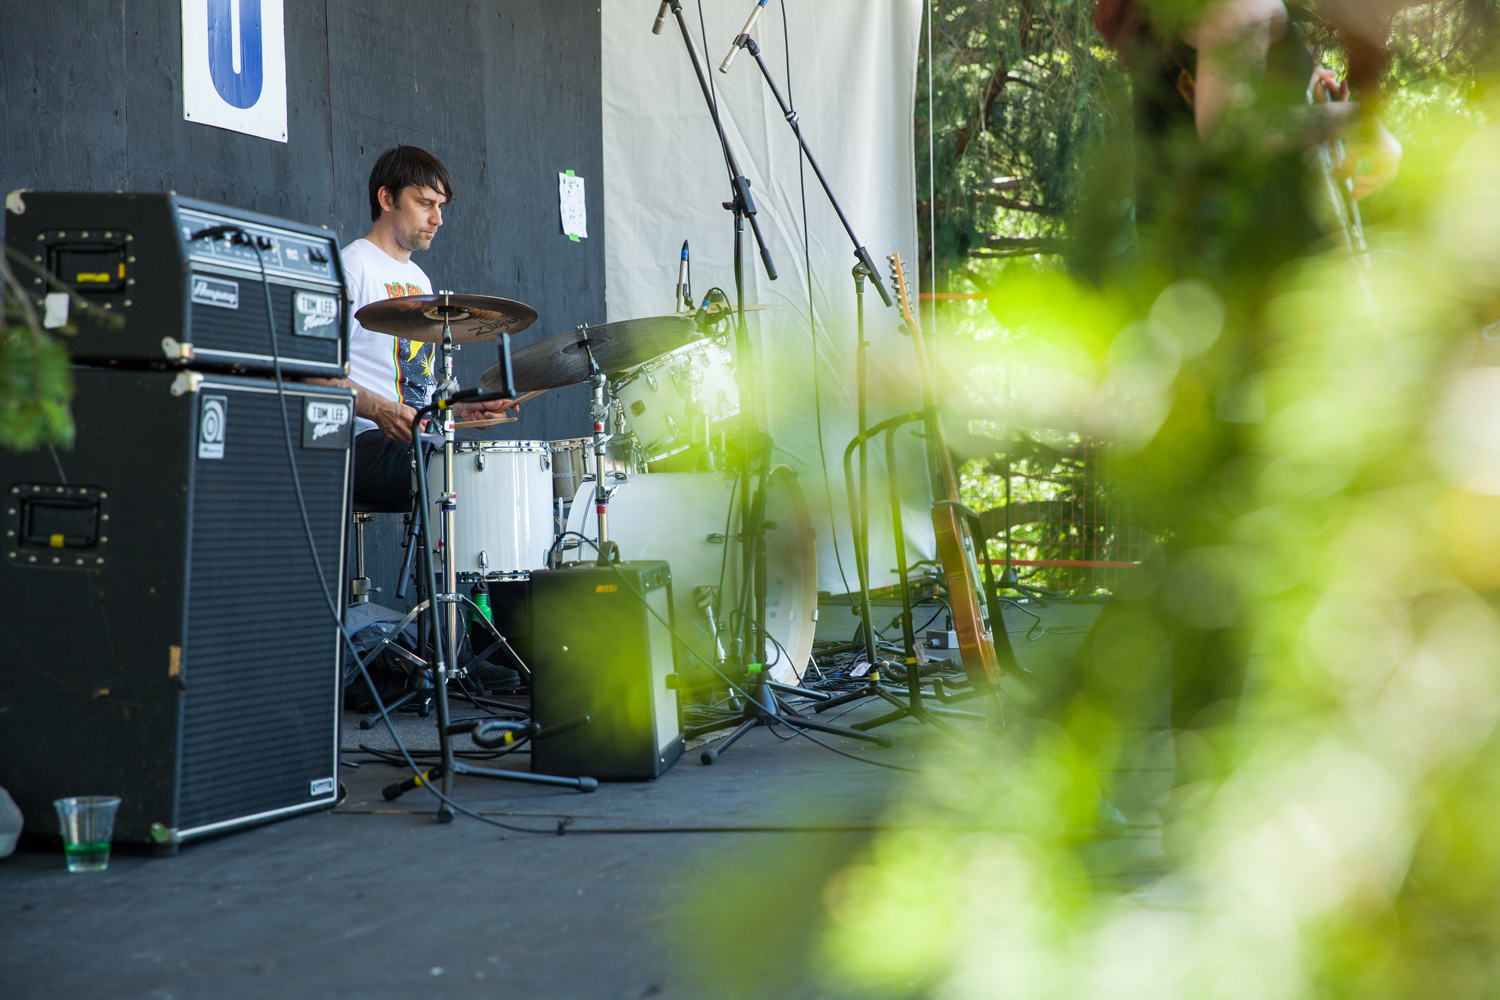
column 504, row 523
column 683, row 517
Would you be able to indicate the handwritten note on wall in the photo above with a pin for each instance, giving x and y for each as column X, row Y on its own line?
column 572, row 206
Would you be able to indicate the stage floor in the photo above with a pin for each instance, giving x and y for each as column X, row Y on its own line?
column 375, row 900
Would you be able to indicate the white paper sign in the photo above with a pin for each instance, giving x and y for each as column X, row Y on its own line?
column 234, row 66
column 570, row 201
column 55, row 314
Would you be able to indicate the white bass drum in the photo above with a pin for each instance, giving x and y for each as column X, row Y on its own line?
column 682, row 517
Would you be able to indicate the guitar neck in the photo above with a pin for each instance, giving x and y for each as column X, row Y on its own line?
column 943, row 459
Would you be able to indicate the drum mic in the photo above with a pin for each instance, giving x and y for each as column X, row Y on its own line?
column 684, row 283
column 661, row 17
column 739, row 40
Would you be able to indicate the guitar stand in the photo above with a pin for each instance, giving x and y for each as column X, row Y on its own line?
column 913, row 705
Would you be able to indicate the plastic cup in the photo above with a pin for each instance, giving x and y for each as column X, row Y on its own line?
column 88, row 824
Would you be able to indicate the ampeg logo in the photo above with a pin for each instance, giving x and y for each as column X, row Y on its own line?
column 213, row 426
column 323, row 786
column 213, row 292
column 326, row 423
column 317, row 315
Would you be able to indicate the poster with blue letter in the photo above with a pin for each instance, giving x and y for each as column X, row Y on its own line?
column 234, row 66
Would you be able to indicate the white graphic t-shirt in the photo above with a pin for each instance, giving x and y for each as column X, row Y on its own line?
column 389, row 366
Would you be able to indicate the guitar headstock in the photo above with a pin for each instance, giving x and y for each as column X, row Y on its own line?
column 903, row 292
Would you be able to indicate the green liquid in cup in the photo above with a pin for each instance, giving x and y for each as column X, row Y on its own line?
column 88, row 857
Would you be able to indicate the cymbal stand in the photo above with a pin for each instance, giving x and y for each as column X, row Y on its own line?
column 445, row 639
column 599, row 411
column 449, row 498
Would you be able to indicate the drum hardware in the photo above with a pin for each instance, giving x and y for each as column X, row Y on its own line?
column 359, row 587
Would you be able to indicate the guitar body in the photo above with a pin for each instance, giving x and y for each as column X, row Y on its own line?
column 971, row 616
column 955, row 545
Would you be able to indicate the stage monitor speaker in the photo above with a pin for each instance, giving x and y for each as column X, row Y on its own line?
column 598, row 649
column 185, row 302
column 168, row 639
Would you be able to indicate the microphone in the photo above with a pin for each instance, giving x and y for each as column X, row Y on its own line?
column 734, row 49
column 682, row 268
column 661, row 17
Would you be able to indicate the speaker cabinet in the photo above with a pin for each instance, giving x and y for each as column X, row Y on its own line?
column 601, row 644
column 168, row 640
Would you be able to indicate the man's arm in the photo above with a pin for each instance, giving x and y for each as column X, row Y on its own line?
column 1232, row 41
column 393, row 418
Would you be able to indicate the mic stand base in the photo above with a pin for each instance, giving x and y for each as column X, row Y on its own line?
column 757, row 713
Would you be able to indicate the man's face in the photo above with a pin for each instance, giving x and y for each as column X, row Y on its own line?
column 414, row 216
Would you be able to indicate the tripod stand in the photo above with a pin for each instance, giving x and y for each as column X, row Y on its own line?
column 762, row 706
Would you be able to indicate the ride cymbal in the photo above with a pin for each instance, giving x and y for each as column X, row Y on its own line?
column 617, row 347
column 471, row 317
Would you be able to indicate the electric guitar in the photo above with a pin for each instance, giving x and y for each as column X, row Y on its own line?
column 971, row 616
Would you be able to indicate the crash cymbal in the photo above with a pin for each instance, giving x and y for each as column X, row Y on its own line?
column 617, row 347
column 472, row 317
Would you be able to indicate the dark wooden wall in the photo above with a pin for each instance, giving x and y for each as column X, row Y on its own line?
column 505, row 92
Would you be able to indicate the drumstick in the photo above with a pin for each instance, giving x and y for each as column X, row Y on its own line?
column 492, row 421
column 485, row 423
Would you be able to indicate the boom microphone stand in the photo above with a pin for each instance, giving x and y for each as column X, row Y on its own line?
column 763, row 707
column 864, row 269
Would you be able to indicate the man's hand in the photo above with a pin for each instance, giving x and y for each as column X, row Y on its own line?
column 1372, row 156
column 483, row 411
column 393, row 418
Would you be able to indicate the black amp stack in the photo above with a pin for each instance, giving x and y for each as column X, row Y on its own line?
column 172, row 642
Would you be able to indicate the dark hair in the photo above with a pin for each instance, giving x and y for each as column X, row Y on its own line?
column 404, row 167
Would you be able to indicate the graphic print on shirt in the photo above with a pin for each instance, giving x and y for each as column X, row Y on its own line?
column 414, row 359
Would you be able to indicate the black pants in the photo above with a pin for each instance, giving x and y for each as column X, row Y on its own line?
column 382, row 471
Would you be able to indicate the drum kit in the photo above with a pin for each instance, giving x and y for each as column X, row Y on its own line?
column 664, row 397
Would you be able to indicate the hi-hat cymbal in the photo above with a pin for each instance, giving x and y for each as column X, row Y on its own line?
column 617, row 347
column 472, row 317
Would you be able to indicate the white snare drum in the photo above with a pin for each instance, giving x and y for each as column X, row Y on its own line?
column 681, row 517
column 662, row 398
column 503, row 525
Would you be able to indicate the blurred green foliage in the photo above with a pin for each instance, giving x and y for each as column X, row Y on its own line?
column 36, row 383
column 1314, row 437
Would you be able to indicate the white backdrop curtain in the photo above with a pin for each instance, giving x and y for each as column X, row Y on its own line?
column 853, row 67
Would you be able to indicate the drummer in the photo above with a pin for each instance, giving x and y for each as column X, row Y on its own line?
column 392, row 376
